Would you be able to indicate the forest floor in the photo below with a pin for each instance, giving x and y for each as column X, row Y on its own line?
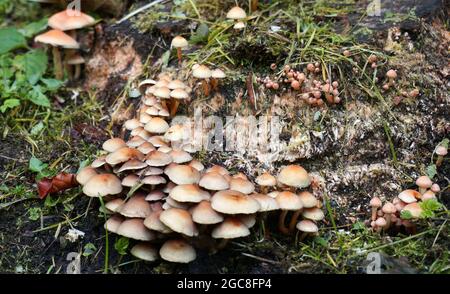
column 371, row 144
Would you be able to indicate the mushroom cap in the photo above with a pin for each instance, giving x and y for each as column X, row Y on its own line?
column 113, row 144
column 424, row 182
column 389, row 208
column 230, row 228
column 155, row 195
column 380, row 222
column 273, row 194
column 177, row 251
column 102, row 185
column 189, row 193
column 153, row 180
column 150, row 171
column 242, row 185
column 315, row 214
column 85, row 174
column 197, row 165
column 123, row 154
column 183, row 174
column 132, row 164
column 57, row 38
column 134, row 228
column 136, row 206
column 179, row 220
column 435, row 188
column 176, row 133
column 157, row 141
column 413, row 208
column 236, row 13
column 266, row 179
column 179, row 94
column 99, row 161
column 113, row 223
column 234, row 202
column 165, row 149
column 441, row 150
column 267, row 203
column 70, row 19
column 114, row 205
column 307, row 226
column 201, row 72
column 180, row 156
column 132, row 124
column 170, row 202
column 153, row 222
column 158, row 158
column 219, row 169
column 428, row 195
column 218, row 74
column 156, row 125
column 213, row 181
column 239, row 25
column 308, row 199
column 249, row 220
column 146, row 148
column 203, row 213
column 179, row 42
column 294, row 176
column 375, row 202
column 130, row 180
column 162, row 92
column 135, row 141
column 144, row 251
column 392, row 74
column 409, row 196
column 176, row 84
column 288, row 201
column 76, row 59
column 239, row 175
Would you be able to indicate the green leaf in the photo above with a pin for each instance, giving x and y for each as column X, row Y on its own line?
column 165, row 58
column 33, row 28
column 8, row 104
column 405, row 214
column 121, row 245
column 431, row 171
column 34, row 213
column 33, row 64
column 50, row 201
column 52, row 84
column 201, row 34
column 37, row 129
column 89, row 249
column 37, row 97
column 11, row 39
column 36, row 165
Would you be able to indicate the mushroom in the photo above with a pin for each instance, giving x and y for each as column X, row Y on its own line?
column 294, row 176
column 85, row 174
column 409, row 196
column 239, row 25
column 236, row 13
column 153, row 222
column 57, row 38
column 424, row 183
column 414, row 209
column 215, row 75
column 230, row 228
column 307, row 227
column 76, row 60
column 136, row 207
column 204, row 214
column 308, row 201
column 441, row 151
column 179, row 42
column 388, row 210
column 375, row 203
column 177, row 251
column 204, row 73
column 435, row 188
column 265, row 181
column 134, row 228
column 113, row 144
column 287, row 201
column 113, row 223
column 233, row 202
column 189, row 193
column 380, row 223
column 182, row 174
column 391, row 75
column 176, row 95
column 179, row 220
column 102, row 185
column 242, row 185
column 213, row 181
column 114, row 205
column 144, row 251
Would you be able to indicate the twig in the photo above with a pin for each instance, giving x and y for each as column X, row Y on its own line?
column 260, row 258
column 139, row 10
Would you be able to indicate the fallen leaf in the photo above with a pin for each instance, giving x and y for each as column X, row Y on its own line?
column 60, row 182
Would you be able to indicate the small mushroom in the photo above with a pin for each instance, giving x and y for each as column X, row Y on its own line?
column 424, row 183
column 179, row 43
column 388, row 210
column 76, row 60
column 441, row 151
column 215, row 75
column 391, row 75
column 307, row 227
column 203, row 73
column 375, row 203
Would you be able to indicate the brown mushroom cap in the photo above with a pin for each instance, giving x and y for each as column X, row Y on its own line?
column 391, row 74
column 156, row 125
column 389, row 208
column 249, row 220
column 266, row 179
column 70, row 19
column 155, row 195
column 136, row 206
column 123, row 154
column 176, row 84
column 307, row 226
column 85, row 174
column 315, row 214
column 375, row 202
column 102, row 185
column 234, row 202
column 153, row 222
column 203, row 213
column 242, row 185
column 175, row 133
column 146, row 148
column 132, row 164
column 153, row 180
column 409, row 196
column 158, row 158
column 144, row 251
column 214, row 181
column 197, row 165
column 182, row 174
column 413, row 208
column 424, row 182
column 114, row 205
column 189, row 193
column 180, row 156
column 294, row 176
column 113, row 144
column 134, row 228
column 380, row 222
column 308, row 199
column 218, row 169
column 236, row 13
column 179, row 220
column 130, row 180
column 132, row 124
column 231, row 228
column 179, row 94
column 162, row 92
column 57, row 38
column 177, row 251
column 179, row 42
column 201, row 72
column 288, row 201
column 267, row 203
column 218, row 74
column 113, row 223
column 100, row 161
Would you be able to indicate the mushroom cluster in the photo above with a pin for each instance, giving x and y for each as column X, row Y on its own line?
column 388, row 216
column 306, row 84
column 158, row 194
column 208, row 78
column 68, row 21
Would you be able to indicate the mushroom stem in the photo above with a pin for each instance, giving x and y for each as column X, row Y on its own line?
column 179, row 55
column 57, row 63
column 302, row 236
column 264, row 189
column 439, row 160
column 214, row 83
column 222, row 244
column 254, row 5
column 387, row 216
column 68, row 69
column 281, row 225
column 206, row 87
column 294, row 219
column 374, row 213
column 174, row 106
column 77, row 74
column 422, row 190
